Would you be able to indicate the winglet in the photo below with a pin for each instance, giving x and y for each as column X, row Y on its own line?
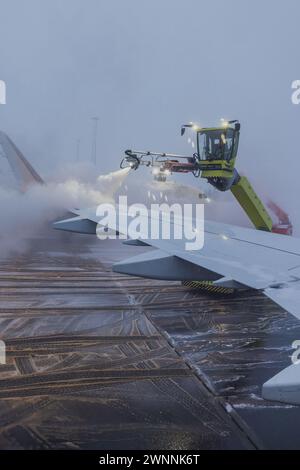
column 77, row 225
column 24, row 173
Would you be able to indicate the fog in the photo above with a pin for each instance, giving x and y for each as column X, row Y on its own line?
column 23, row 215
column 144, row 68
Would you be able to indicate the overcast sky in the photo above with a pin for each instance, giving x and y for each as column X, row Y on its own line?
column 145, row 67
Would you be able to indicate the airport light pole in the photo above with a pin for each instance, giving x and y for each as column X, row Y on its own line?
column 78, row 150
column 94, row 143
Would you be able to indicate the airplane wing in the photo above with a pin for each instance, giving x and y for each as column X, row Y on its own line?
column 231, row 256
column 24, row 173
